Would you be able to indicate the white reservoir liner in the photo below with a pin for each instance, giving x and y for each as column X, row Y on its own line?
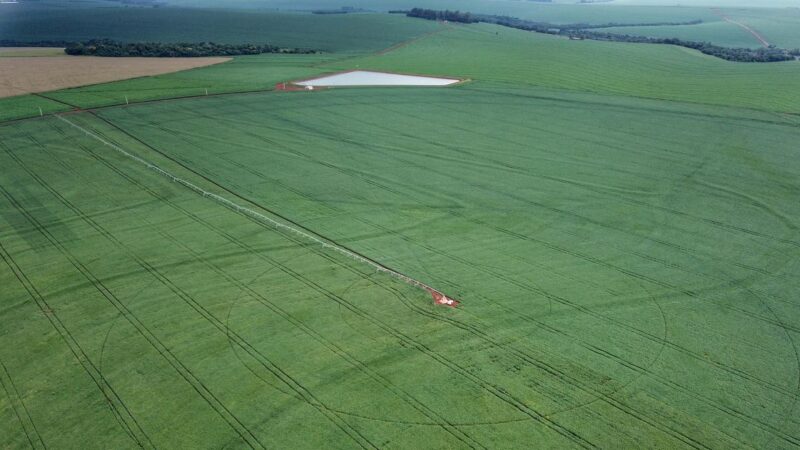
column 367, row 78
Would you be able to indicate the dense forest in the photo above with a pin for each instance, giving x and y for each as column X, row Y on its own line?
column 105, row 47
column 585, row 31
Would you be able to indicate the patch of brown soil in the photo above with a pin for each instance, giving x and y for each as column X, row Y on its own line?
column 31, row 51
column 24, row 75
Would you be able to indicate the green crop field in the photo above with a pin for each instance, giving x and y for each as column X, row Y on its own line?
column 779, row 26
column 246, row 73
column 515, row 57
column 558, row 11
column 337, row 37
column 331, row 33
column 619, row 222
column 28, row 106
column 717, row 32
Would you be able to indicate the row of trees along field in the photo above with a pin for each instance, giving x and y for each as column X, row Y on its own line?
column 450, row 16
column 771, row 54
column 586, row 31
column 105, row 47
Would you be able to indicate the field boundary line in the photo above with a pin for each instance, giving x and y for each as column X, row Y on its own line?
column 92, row 109
column 61, row 102
column 324, row 242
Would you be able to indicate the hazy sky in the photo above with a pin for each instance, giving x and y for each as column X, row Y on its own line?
column 752, row 3
column 471, row 4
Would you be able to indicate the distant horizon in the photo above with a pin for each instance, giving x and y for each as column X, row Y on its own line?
column 712, row 3
column 380, row 5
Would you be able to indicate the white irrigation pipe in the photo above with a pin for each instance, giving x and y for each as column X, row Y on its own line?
column 258, row 216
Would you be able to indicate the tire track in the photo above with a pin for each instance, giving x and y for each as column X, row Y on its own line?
column 640, row 277
column 679, row 436
column 566, row 302
column 450, row 427
column 764, row 43
column 629, row 412
column 24, row 416
column 439, row 420
column 522, row 171
column 557, row 210
column 643, row 372
column 119, row 410
column 287, row 223
column 501, row 166
column 640, row 370
column 499, row 393
column 302, row 392
column 157, row 275
column 338, row 211
column 163, row 350
column 594, row 222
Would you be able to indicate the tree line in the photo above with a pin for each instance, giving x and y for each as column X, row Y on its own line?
column 107, row 47
column 450, row 16
column 771, row 54
column 585, row 31
column 586, row 26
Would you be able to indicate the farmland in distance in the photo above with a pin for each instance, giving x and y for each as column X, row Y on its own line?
column 618, row 221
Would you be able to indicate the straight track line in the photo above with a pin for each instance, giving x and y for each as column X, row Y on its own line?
column 296, row 229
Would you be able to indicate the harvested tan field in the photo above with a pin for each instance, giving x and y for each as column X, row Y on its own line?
column 31, row 51
column 24, row 75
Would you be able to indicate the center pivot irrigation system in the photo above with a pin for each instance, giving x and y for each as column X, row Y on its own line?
column 439, row 297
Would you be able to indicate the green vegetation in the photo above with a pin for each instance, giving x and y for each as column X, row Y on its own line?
column 587, row 31
column 618, row 220
column 28, row 106
column 450, row 16
column 561, row 11
column 768, row 54
column 780, row 27
column 330, row 33
column 490, row 53
column 582, row 234
column 718, row 32
column 109, row 48
column 247, row 73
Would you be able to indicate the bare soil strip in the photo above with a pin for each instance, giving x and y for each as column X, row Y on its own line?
column 26, row 75
column 31, row 51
